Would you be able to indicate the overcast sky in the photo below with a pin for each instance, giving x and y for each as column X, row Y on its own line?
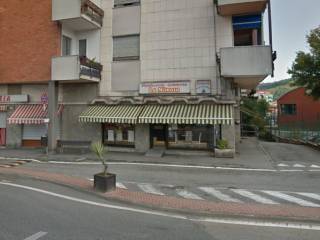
column 292, row 21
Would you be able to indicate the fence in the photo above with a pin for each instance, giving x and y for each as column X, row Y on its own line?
column 300, row 136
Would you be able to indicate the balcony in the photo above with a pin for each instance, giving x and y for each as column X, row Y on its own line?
column 239, row 7
column 248, row 65
column 77, row 15
column 75, row 69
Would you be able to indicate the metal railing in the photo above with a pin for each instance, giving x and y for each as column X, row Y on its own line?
column 92, row 11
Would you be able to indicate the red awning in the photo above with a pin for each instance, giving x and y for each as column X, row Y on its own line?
column 31, row 114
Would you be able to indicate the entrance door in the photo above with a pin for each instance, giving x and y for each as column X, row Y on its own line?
column 158, row 135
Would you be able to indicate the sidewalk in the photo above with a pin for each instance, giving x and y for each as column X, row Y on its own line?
column 250, row 155
column 261, row 211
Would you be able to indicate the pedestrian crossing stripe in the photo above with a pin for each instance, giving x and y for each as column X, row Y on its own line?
column 235, row 195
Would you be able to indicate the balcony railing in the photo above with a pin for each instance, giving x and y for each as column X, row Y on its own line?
column 75, row 69
column 91, row 10
column 78, row 15
column 247, row 65
column 90, row 68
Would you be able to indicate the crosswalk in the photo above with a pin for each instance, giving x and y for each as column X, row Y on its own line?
column 210, row 193
column 300, row 166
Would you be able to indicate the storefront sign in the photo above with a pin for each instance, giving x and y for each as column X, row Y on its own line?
column 14, row 98
column 203, row 87
column 177, row 87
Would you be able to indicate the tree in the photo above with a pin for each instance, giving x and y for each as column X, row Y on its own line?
column 305, row 70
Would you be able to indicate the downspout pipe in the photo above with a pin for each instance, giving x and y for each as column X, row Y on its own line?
column 273, row 54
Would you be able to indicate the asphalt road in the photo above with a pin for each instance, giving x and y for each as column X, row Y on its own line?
column 29, row 215
column 278, row 181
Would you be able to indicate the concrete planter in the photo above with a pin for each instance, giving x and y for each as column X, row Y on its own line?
column 104, row 183
column 224, row 153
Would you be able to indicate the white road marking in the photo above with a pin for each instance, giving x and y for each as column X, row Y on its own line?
column 166, row 165
column 289, row 225
column 314, row 166
column 292, row 199
column 22, row 159
column 253, row 196
column 148, row 188
column 283, row 165
column 36, row 236
column 121, row 185
column 310, row 195
column 188, row 195
column 216, row 193
column 299, row 165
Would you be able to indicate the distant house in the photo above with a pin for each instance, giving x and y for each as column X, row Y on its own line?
column 263, row 94
column 298, row 110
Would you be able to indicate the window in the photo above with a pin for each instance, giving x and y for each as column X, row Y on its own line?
column 190, row 136
column 124, row 3
column 288, row 109
column 66, row 46
column 83, row 47
column 126, row 48
column 118, row 135
column 247, row 30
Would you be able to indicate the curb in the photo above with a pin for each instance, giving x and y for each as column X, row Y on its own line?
column 172, row 204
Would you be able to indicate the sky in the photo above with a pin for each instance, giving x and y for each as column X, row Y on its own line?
column 292, row 20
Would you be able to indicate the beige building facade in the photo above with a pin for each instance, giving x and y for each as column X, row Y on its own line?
column 154, row 74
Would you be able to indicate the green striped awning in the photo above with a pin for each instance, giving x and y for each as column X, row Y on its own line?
column 111, row 114
column 187, row 114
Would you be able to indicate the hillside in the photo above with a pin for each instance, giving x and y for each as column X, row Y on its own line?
column 277, row 88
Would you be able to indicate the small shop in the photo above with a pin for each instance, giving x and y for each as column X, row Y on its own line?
column 175, row 126
column 195, row 127
column 33, row 119
column 118, row 123
column 6, row 102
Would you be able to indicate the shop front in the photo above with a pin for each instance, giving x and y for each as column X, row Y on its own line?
column 118, row 123
column 173, row 126
column 195, row 127
column 33, row 119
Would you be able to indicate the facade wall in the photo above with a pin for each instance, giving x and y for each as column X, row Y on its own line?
column 178, row 41
column 27, row 61
column 73, row 130
column 142, row 139
column 308, row 110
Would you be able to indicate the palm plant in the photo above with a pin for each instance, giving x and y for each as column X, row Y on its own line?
column 99, row 149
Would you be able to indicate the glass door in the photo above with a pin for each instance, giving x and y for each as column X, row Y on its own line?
column 158, row 135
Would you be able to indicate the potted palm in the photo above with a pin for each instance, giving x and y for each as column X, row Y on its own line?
column 223, row 150
column 104, row 181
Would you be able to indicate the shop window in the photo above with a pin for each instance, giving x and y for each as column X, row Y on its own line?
column 125, row 3
column 126, row 48
column 190, row 136
column 118, row 135
column 288, row 109
column 247, row 30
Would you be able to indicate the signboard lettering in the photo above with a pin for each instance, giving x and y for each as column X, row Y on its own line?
column 178, row 87
column 14, row 98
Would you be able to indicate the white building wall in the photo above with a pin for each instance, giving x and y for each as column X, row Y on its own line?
column 106, row 48
column 178, row 41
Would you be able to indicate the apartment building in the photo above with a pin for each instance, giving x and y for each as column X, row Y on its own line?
column 136, row 74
